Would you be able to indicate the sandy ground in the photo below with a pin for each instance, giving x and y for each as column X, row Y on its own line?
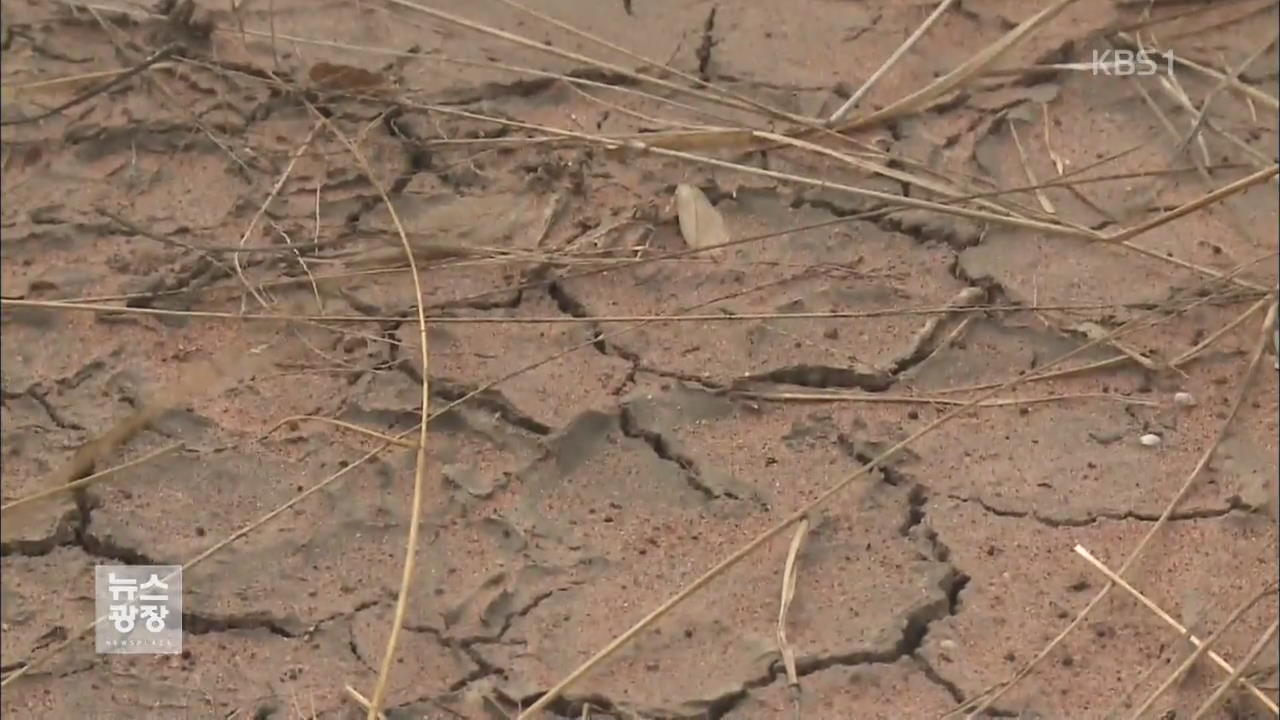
column 598, row 466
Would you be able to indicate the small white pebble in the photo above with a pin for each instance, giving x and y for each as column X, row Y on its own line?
column 1150, row 439
column 1184, row 399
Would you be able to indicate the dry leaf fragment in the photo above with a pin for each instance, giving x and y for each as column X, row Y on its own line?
column 339, row 78
column 697, row 140
column 701, row 224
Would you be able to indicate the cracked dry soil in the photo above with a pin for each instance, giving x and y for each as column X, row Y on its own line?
column 568, row 501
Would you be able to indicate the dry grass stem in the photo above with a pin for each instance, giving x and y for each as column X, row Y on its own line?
column 583, row 59
column 518, row 142
column 361, row 700
column 1121, row 238
column 342, row 424
column 649, row 62
column 89, row 479
column 13, row 303
column 789, row 571
column 1045, row 204
column 986, row 701
column 1217, row 334
column 1258, row 648
column 36, row 661
column 804, row 511
column 1246, row 90
column 419, row 473
column 262, row 209
column 1234, row 75
column 893, row 59
column 862, row 397
column 967, row 70
column 1202, row 646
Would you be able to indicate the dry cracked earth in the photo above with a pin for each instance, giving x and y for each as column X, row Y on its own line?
column 572, row 497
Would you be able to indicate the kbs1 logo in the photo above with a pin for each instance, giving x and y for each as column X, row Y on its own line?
column 1123, row 63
